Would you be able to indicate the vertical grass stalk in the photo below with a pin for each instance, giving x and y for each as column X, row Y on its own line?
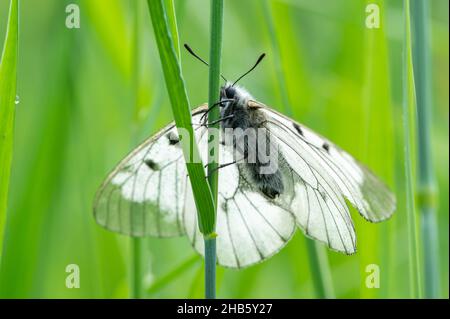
column 320, row 270
column 317, row 255
column 277, row 58
column 215, row 55
column 8, row 83
column 172, row 18
column 408, row 125
column 136, row 243
column 426, row 199
column 137, row 273
column 173, row 274
column 180, row 106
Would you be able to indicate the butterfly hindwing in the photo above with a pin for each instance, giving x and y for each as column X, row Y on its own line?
column 325, row 169
column 250, row 227
column 149, row 194
column 145, row 195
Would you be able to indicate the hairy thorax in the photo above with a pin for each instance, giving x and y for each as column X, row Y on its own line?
column 245, row 130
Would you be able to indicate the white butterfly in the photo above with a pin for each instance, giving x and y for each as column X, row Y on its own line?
column 149, row 192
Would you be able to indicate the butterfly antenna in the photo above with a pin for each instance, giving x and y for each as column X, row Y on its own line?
column 188, row 48
column 256, row 64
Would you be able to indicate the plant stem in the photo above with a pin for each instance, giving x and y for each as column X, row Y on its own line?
column 8, row 83
column 210, row 268
column 204, row 200
column 318, row 259
column 171, row 17
column 173, row 274
column 137, row 268
column 136, row 243
column 215, row 55
column 408, row 125
column 182, row 115
column 281, row 78
column 426, row 177
column 320, row 271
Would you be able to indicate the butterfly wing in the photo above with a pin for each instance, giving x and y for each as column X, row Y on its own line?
column 250, row 227
column 145, row 194
column 323, row 175
column 149, row 194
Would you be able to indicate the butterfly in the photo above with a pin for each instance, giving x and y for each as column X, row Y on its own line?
column 149, row 192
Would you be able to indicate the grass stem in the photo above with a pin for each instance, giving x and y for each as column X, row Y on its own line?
column 210, row 268
column 137, row 273
column 426, row 199
column 182, row 114
column 408, row 125
column 317, row 255
column 8, row 83
column 136, row 243
column 320, row 270
column 215, row 57
column 173, row 274
column 203, row 197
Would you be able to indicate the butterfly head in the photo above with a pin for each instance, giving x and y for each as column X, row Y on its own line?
column 237, row 94
column 233, row 98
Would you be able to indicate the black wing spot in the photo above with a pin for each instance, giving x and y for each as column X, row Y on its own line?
column 323, row 195
column 225, row 206
column 151, row 164
column 173, row 138
column 298, row 128
column 326, row 147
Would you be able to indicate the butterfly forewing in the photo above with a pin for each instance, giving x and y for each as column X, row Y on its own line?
column 149, row 194
column 250, row 227
column 146, row 193
column 356, row 182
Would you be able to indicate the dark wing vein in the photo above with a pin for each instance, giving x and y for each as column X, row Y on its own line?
column 248, row 230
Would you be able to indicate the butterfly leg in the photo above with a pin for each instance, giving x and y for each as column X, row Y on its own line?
column 220, row 166
column 214, row 122
column 220, row 103
column 219, row 120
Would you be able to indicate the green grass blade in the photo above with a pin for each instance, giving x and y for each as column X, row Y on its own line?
column 173, row 274
column 320, row 270
column 214, row 87
column 172, row 18
column 425, row 172
column 210, row 268
column 408, row 125
column 136, row 243
column 215, row 56
column 181, row 112
column 377, row 125
column 317, row 255
column 8, row 82
column 277, row 58
column 136, row 273
column 111, row 29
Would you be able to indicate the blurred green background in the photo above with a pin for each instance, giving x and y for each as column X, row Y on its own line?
column 89, row 95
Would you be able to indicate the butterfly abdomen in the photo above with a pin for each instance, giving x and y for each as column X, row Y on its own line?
column 270, row 184
column 252, row 144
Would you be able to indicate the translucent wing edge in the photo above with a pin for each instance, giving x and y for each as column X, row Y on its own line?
column 366, row 170
column 200, row 109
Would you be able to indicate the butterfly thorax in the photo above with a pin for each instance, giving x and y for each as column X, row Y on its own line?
column 235, row 111
column 246, row 132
